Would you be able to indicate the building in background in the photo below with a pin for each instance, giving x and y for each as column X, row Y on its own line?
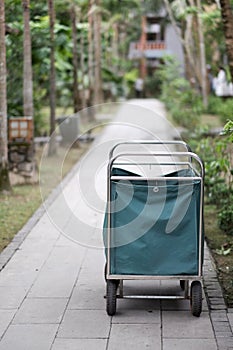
column 158, row 39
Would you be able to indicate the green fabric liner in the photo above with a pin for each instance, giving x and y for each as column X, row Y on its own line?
column 155, row 226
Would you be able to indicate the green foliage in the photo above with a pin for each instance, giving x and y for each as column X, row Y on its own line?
column 221, row 107
column 181, row 100
column 225, row 218
column 217, row 154
column 214, row 35
column 153, row 86
column 228, row 130
column 112, row 12
column 223, row 250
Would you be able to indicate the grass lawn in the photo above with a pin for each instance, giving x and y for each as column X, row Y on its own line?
column 15, row 209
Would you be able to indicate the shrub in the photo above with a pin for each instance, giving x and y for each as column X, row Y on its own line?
column 225, row 110
column 221, row 107
column 225, row 218
column 153, row 86
column 181, row 100
column 217, row 155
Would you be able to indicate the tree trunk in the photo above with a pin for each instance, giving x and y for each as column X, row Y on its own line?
column 115, row 45
column 202, row 56
column 52, row 94
column 193, row 45
column 90, row 55
column 82, row 65
column 76, row 99
column 184, row 44
column 227, row 17
column 90, row 101
column 98, row 93
column 27, row 62
column 4, row 175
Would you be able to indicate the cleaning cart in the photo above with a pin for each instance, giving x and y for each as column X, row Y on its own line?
column 153, row 227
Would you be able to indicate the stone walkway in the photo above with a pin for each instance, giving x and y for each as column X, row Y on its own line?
column 52, row 287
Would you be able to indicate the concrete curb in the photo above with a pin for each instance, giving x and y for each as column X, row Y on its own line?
column 217, row 307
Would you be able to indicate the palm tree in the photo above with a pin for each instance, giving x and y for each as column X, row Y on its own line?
column 98, row 92
column 227, row 18
column 76, row 99
column 4, row 175
column 52, row 94
column 90, row 53
column 191, row 37
column 27, row 62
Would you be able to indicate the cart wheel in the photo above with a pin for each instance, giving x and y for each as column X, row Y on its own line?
column 182, row 284
column 105, row 272
column 196, row 298
column 111, row 297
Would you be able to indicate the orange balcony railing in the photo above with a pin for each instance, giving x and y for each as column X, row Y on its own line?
column 149, row 45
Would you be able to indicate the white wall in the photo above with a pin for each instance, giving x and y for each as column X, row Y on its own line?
column 173, row 45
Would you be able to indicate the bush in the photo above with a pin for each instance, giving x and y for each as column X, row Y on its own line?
column 225, row 218
column 217, row 155
column 213, row 105
column 225, row 110
column 153, row 86
column 181, row 100
column 221, row 107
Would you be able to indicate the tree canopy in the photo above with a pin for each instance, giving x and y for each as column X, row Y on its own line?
column 120, row 25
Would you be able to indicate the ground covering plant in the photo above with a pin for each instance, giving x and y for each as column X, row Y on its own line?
column 217, row 154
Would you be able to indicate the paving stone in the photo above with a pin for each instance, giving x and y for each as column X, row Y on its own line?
column 221, row 323
column 11, row 297
column 221, row 328
column 82, row 344
column 225, row 343
column 5, row 318
column 126, row 316
column 219, row 302
column 190, row 344
column 137, row 337
column 137, row 304
column 22, row 279
column 230, row 318
column 41, row 311
column 212, row 293
column 88, row 297
column 175, row 305
column 219, row 313
column 223, row 334
column 28, row 337
column 217, row 307
column 85, row 324
column 59, row 273
column 184, row 325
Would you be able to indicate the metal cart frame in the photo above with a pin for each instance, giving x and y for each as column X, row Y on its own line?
column 114, row 282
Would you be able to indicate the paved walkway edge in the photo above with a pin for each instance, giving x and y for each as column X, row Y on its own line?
column 216, row 304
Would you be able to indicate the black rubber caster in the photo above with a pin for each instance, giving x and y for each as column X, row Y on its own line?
column 111, row 297
column 196, row 298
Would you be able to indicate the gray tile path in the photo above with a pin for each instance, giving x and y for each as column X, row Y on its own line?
column 52, row 289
